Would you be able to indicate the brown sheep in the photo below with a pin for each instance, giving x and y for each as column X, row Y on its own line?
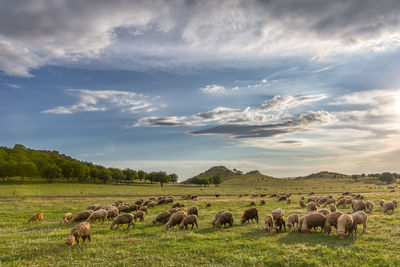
column 98, row 214
column 144, row 209
column 139, row 202
column 359, row 217
column 81, row 216
column 177, row 205
column 313, row 220
column 193, row 210
column 302, row 204
column 312, row 206
column 269, row 222
column 341, row 202
column 94, row 207
column 190, row 219
column 381, row 202
column 282, row 198
column 38, row 217
column 359, row 206
column 370, row 205
column 299, row 224
column 323, row 211
column 208, row 205
column 280, row 220
column 276, row 213
column 67, row 217
column 252, row 203
column 173, row 210
column 331, row 220
column 146, row 202
column 395, row 203
column 248, row 215
column 80, row 230
column 330, row 201
column 224, row 218
column 387, row 207
column 162, row 217
column 333, row 208
column 216, row 216
column 262, row 202
column 292, row 220
column 139, row 215
column 151, row 204
column 175, row 219
column 288, row 201
column 348, row 202
column 122, row 219
column 344, row 225
column 112, row 212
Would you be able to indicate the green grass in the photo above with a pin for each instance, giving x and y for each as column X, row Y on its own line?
column 42, row 244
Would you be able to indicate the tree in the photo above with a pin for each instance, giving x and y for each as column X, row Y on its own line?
column 216, row 179
column 151, row 177
column 80, row 170
column 201, row 180
column 94, row 173
column 130, row 175
column 117, row 175
column 51, row 172
column 67, row 170
column 173, row 177
column 354, row 177
column 387, row 177
column 142, row 175
column 162, row 178
column 104, row 174
column 27, row 169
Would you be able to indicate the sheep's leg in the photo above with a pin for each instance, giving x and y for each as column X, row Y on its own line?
column 129, row 224
column 89, row 238
column 192, row 226
column 364, row 228
column 83, row 238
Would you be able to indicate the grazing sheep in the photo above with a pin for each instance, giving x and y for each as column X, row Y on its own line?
column 208, row 205
column 302, row 204
column 122, row 219
column 80, row 230
column 248, row 215
column 38, row 217
column 280, row 220
column 348, row 202
column 282, row 198
column 190, row 219
column 94, row 207
column 331, row 220
column 81, row 216
column 312, row 206
column 252, row 203
column 216, row 216
column 313, row 220
column 395, row 202
column 174, row 210
column 139, row 202
column 224, row 218
column 344, row 225
column 276, row 213
column 144, row 209
column 98, row 214
column 323, row 211
column 177, row 205
column 193, row 210
column 388, row 206
column 123, row 207
column 381, row 202
column 292, row 220
column 112, row 212
column 175, row 219
column 151, row 204
column 359, row 206
column 299, row 224
column 333, row 208
column 146, row 202
column 161, row 201
column 341, row 202
column 162, row 217
column 359, row 217
column 329, row 201
column 262, row 202
column 130, row 208
column 269, row 222
column 67, row 217
column 169, row 200
column 288, row 201
column 139, row 215
column 370, row 205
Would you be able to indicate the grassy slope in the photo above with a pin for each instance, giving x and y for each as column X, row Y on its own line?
column 43, row 243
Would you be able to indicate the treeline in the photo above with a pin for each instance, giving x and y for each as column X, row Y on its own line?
column 52, row 166
column 206, row 181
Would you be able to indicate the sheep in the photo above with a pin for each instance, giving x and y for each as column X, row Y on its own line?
column 193, row 210
column 190, row 219
column 67, row 217
column 359, row 217
column 208, row 205
column 98, row 214
column 123, row 207
column 262, row 202
column 280, row 220
column 330, row 201
column 359, row 206
column 173, row 210
column 175, row 219
column 177, row 205
column 162, row 217
column 94, row 207
column 370, row 205
column 248, row 215
column 282, row 198
column 269, row 222
column 151, row 204
column 331, row 220
column 139, row 215
column 313, row 220
column 381, row 202
column 292, row 220
column 344, row 225
column 341, row 202
column 81, row 216
column 224, row 218
column 131, row 208
column 146, row 202
column 169, row 200
column 112, row 212
column 161, row 201
column 276, row 213
column 216, row 216
column 302, row 204
column 323, row 211
column 348, row 202
column 388, row 206
column 38, row 217
column 312, row 206
column 122, row 219
column 139, row 202
column 252, row 203
column 395, row 203
column 144, row 209
column 288, row 201
column 299, row 224
column 333, row 208
column 80, row 230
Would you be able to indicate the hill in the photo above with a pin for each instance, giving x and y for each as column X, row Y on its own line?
column 326, row 174
column 221, row 170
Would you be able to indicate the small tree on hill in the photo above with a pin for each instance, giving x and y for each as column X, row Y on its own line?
column 387, row 177
column 216, row 179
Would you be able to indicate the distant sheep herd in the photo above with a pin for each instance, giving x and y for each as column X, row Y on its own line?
column 315, row 217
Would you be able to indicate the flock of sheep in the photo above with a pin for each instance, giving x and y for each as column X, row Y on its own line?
column 120, row 213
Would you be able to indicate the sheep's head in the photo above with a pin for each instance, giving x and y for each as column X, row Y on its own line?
column 71, row 240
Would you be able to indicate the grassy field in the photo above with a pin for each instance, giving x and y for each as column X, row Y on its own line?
column 42, row 244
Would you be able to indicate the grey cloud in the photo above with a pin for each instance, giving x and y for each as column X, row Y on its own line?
column 162, row 121
column 220, row 112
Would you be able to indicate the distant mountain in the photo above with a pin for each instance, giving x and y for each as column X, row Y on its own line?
column 222, row 170
column 326, row 174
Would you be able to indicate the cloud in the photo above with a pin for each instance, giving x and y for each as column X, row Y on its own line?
column 280, row 103
column 219, row 113
column 214, row 89
column 166, row 34
column 102, row 100
column 11, row 85
column 162, row 121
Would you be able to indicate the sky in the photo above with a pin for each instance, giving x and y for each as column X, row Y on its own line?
column 284, row 87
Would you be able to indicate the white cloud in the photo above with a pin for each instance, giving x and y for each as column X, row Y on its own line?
column 162, row 121
column 214, row 89
column 102, row 100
